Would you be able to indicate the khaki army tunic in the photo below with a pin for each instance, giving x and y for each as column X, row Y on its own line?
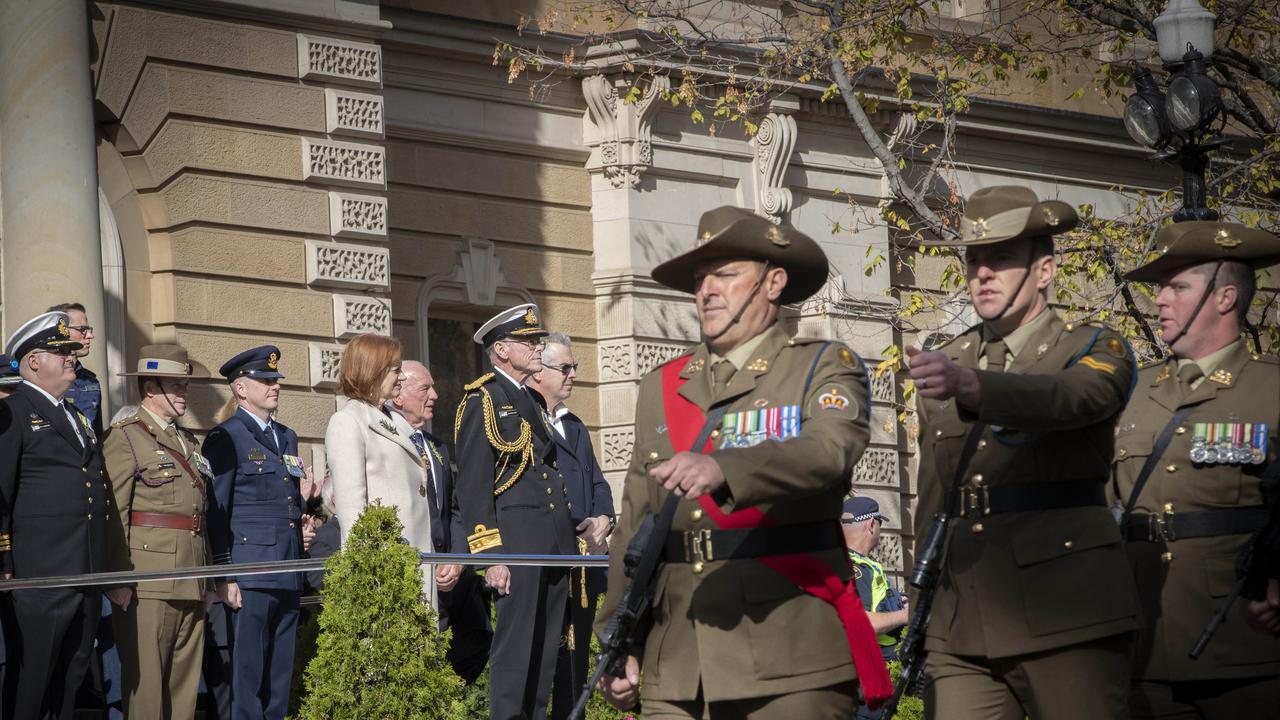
column 1182, row 582
column 737, row 629
column 156, row 471
column 1022, row 582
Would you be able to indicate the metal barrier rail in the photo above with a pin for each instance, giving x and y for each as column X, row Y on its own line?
column 130, row 577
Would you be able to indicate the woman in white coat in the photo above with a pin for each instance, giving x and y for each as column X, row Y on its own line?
column 370, row 457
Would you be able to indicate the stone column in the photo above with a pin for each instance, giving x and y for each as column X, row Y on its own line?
column 48, row 167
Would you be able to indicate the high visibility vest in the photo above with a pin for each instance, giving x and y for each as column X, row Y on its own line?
column 879, row 589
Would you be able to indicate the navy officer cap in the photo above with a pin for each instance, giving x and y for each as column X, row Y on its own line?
column 520, row 321
column 47, row 331
column 863, row 508
column 260, row 363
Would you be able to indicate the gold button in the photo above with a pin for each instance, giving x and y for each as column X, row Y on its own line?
column 291, row 525
column 937, row 433
column 697, row 568
column 982, row 444
column 552, row 506
column 696, row 514
column 569, row 505
column 715, row 433
column 977, row 527
column 1168, row 507
column 144, row 546
column 1068, row 544
column 653, row 454
column 1166, row 557
column 1171, row 468
column 544, row 476
column 90, row 516
column 977, row 478
column 548, row 491
column 1122, row 452
column 88, row 485
column 84, row 469
column 90, row 501
column 1181, row 430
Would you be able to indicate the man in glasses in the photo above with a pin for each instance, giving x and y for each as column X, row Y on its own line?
column 512, row 499
column 590, row 506
column 54, row 502
column 86, row 391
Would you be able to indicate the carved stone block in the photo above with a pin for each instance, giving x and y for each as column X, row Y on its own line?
column 882, row 386
column 347, row 265
column 342, row 61
column 355, row 314
column 889, row 552
column 616, row 448
column 878, row 466
column 344, row 163
column 353, row 113
column 651, row 355
column 617, row 360
column 884, row 425
column 357, row 216
column 324, row 359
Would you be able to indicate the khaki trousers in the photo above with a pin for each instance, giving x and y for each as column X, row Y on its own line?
column 161, row 643
column 835, row 702
column 1255, row 697
column 1089, row 680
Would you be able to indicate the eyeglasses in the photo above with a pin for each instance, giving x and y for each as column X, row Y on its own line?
column 82, row 329
column 531, row 344
column 565, row 368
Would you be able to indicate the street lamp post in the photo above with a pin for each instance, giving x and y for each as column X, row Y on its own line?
column 1177, row 124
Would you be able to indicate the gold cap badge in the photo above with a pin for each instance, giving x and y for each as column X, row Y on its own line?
column 775, row 236
column 1225, row 240
column 272, row 359
column 62, row 328
column 530, row 317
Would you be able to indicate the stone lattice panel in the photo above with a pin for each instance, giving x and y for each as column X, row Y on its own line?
column 344, row 163
column 889, row 552
column 616, row 448
column 342, row 61
column 651, row 355
column 882, row 389
column 878, row 466
column 353, row 113
column 348, row 265
column 324, row 359
column 617, row 360
column 355, row 314
column 357, row 216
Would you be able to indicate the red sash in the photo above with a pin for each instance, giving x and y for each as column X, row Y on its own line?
column 809, row 573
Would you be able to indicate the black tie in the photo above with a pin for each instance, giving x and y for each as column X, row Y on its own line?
column 421, row 443
column 271, row 437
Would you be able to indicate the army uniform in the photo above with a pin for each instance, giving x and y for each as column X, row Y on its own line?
column 54, row 502
column 732, row 636
column 513, row 500
column 1035, row 606
column 160, row 481
column 1200, row 503
column 255, row 515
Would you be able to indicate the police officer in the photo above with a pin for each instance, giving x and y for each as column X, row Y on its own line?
column 754, row 615
column 1202, row 426
column 885, row 606
column 513, row 500
column 1035, row 610
column 255, row 515
column 160, row 481
column 54, row 502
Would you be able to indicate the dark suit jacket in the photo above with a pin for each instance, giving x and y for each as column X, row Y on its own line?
column 255, row 505
column 54, row 497
column 446, row 522
column 588, row 491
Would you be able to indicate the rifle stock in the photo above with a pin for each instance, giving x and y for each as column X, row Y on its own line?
column 924, row 578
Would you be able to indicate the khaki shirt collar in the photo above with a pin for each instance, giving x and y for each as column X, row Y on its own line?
column 1209, row 362
column 155, row 419
column 742, row 354
column 1018, row 339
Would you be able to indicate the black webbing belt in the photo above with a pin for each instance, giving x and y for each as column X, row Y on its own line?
column 1165, row 527
column 1162, row 444
column 736, row 544
column 981, row 500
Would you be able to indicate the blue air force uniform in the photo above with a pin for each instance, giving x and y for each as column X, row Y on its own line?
column 255, row 514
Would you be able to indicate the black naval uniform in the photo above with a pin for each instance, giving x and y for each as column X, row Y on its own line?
column 513, row 500
column 54, row 501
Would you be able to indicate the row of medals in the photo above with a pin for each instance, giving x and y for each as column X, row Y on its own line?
column 1229, row 443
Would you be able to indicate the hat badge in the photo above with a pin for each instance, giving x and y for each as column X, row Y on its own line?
column 1050, row 217
column 775, row 236
column 1225, row 240
column 530, row 317
column 980, row 228
column 703, row 239
column 62, row 328
column 272, row 359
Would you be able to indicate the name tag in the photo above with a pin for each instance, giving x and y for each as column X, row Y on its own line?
column 752, row 427
column 38, row 425
column 256, row 455
column 293, row 464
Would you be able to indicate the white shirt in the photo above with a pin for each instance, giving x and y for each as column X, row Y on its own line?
column 75, row 424
column 510, row 379
column 557, row 419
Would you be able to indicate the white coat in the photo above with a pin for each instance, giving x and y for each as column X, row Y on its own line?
column 371, row 456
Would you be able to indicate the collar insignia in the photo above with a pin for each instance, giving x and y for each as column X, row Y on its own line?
column 694, row 366
column 758, row 365
column 1222, row 377
column 1224, row 239
column 1164, row 375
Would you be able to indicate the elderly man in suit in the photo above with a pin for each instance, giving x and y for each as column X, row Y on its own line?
column 462, row 603
column 255, row 514
column 591, row 508
column 54, row 502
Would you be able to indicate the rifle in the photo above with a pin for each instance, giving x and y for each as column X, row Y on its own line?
column 924, row 578
column 1256, row 564
column 629, row 624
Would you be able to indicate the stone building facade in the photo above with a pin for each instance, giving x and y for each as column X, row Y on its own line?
column 301, row 171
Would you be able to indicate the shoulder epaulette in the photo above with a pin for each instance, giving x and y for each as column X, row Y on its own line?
column 1268, row 359
column 475, row 384
column 804, row 340
column 126, row 421
column 953, row 338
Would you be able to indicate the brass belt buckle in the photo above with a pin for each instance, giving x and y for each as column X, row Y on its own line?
column 196, row 523
column 975, row 499
column 1160, row 527
column 697, row 546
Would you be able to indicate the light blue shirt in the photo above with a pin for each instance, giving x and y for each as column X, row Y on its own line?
column 266, row 426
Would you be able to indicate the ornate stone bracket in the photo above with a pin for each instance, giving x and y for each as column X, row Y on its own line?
column 623, row 149
column 773, row 144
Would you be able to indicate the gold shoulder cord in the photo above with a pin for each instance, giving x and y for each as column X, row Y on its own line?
column 522, row 445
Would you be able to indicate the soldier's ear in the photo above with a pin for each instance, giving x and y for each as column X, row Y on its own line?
column 775, row 281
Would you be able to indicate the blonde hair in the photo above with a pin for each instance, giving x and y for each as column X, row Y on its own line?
column 365, row 361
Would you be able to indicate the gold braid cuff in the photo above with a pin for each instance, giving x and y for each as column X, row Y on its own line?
column 6, row 543
column 522, row 446
column 484, row 539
